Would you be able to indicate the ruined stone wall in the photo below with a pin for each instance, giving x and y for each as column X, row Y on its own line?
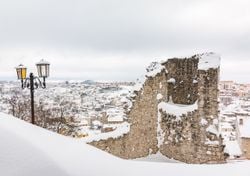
column 184, row 71
column 187, row 138
column 142, row 138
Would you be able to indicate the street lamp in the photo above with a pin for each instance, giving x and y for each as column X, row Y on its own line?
column 33, row 82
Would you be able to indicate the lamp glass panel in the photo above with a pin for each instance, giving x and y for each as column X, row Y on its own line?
column 39, row 71
column 42, row 70
column 47, row 70
column 19, row 73
column 23, row 73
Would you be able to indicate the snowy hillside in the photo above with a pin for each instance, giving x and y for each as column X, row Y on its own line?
column 74, row 109
column 28, row 150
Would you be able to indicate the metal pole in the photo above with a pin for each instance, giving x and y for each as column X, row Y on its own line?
column 32, row 98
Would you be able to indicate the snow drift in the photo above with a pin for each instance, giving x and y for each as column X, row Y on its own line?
column 27, row 150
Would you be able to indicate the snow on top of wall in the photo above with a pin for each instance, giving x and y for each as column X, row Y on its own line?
column 116, row 119
column 195, row 81
column 139, row 83
column 154, row 68
column 159, row 96
column 212, row 129
column 209, row 142
column 215, row 121
column 208, row 60
column 171, row 80
column 121, row 130
column 151, row 71
column 203, row 122
column 177, row 109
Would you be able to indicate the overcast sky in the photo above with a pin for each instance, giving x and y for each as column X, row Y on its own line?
column 116, row 40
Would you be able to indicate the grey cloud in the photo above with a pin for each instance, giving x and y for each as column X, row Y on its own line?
column 142, row 30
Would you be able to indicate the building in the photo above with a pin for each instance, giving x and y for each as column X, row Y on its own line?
column 226, row 85
column 243, row 126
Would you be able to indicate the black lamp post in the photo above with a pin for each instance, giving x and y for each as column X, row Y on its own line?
column 33, row 82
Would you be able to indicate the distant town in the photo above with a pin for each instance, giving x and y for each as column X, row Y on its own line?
column 76, row 109
column 88, row 108
column 235, row 117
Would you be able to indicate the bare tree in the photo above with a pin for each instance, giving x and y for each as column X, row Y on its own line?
column 64, row 114
column 59, row 118
column 12, row 101
column 42, row 114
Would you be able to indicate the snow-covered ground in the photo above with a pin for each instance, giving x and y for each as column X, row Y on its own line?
column 28, row 150
column 92, row 105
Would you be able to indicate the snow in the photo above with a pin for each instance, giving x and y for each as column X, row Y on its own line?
column 21, row 66
column 195, row 81
column 232, row 148
column 208, row 60
column 216, row 121
column 116, row 115
column 160, row 86
column 226, row 125
column 209, row 142
column 177, row 109
column 151, row 71
column 158, row 157
column 160, row 133
column 139, row 83
column 174, row 109
column 42, row 62
column 115, row 119
column 84, row 122
column 171, row 80
column 203, row 122
column 159, row 96
column 212, row 129
column 114, row 126
column 154, row 68
column 27, row 150
column 96, row 123
column 245, row 128
column 121, row 130
column 209, row 153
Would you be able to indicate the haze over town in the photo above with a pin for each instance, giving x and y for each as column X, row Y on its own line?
column 107, row 40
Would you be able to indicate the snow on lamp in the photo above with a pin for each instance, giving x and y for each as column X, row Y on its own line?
column 21, row 72
column 43, row 68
